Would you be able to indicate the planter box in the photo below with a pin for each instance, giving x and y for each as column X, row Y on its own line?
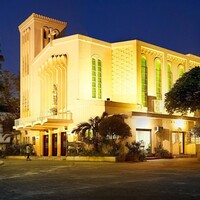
column 92, row 158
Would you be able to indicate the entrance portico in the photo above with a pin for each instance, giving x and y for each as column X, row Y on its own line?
column 49, row 133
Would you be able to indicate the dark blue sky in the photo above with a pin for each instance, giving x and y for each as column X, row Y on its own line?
column 172, row 24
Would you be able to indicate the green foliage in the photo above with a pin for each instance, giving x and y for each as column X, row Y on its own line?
column 185, row 94
column 91, row 126
column 113, row 130
column 9, row 99
column 160, row 152
column 104, row 134
column 196, row 131
column 9, row 91
column 113, row 127
column 135, row 153
column 88, row 131
column 12, row 134
column 16, row 150
column 111, row 147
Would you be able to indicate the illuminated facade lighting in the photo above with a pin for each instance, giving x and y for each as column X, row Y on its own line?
column 67, row 80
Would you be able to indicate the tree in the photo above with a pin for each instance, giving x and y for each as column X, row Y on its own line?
column 92, row 126
column 1, row 58
column 9, row 102
column 185, row 94
column 9, row 92
column 113, row 131
column 113, row 127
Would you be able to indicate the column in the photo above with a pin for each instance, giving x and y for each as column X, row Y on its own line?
column 41, row 143
column 50, row 142
column 58, row 143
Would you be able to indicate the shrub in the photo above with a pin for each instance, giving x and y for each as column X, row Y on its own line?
column 16, row 150
column 135, row 153
column 160, row 152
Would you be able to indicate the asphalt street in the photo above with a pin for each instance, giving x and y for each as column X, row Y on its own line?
column 61, row 179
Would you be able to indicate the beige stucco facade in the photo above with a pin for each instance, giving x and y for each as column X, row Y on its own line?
column 58, row 88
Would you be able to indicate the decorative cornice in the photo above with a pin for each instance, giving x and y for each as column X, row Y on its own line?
column 149, row 51
column 38, row 17
column 193, row 63
column 176, row 59
column 34, row 15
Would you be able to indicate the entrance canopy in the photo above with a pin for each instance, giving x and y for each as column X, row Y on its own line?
column 43, row 123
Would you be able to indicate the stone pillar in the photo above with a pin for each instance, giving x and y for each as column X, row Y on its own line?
column 58, row 143
column 41, row 144
column 50, row 142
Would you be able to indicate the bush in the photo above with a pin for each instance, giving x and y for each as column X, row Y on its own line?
column 160, row 152
column 134, row 152
column 17, row 150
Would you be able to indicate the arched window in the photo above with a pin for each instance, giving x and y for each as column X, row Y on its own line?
column 180, row 70
column 144, row 80
column 158, row 79
column 169, row 76
column 96, row 78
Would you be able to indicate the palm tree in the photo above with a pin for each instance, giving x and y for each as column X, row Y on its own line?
column 92, row 126
column 12, row 135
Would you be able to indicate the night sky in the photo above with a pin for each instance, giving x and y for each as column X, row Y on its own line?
column 172, row 24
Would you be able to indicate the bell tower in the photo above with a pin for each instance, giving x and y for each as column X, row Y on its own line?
column 36, row 32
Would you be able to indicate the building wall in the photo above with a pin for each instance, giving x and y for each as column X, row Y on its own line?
column 57, row 73
column 124, row 67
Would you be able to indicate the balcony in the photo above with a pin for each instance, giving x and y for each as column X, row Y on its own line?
column 44, row 122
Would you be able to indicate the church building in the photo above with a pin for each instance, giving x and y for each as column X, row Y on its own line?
column 66, row 80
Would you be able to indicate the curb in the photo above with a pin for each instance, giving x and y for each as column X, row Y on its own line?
column 38, row 157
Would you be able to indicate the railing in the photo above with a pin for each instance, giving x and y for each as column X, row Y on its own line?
column 42, row 119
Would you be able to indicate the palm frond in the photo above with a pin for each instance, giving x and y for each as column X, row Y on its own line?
column 11, row 135
column 81, row 126
column 104, row 114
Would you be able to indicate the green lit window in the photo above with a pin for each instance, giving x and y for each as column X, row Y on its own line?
column 158, row 79
column 169, row 76
column 96, row 78
column 144, row 81
column 180, row 70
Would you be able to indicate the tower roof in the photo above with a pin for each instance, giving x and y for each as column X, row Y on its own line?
column 38, row 18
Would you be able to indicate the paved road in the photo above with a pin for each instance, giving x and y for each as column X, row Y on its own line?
column 58, row 180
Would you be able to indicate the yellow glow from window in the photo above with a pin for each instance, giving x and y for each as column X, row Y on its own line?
column 142, row 122
column 179, row 123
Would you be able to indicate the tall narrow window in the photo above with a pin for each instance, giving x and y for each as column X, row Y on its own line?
column 169, row 72
column 180, row 70
column 144, row 80
column 96, row 78
column 93, row 78
column 99, row 79
column 158, row 79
